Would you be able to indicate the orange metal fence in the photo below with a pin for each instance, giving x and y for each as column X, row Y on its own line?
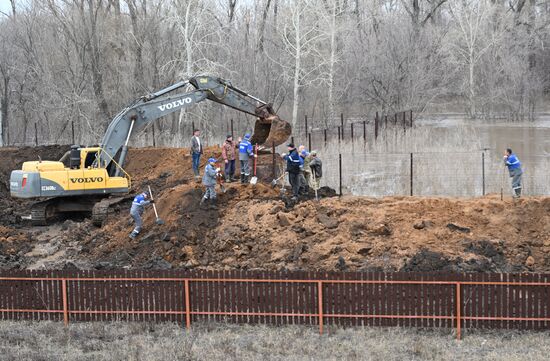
column 378, row 299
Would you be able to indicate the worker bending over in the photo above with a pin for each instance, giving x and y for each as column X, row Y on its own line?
column 514, row 168
column 138, row 206
column 209, row 181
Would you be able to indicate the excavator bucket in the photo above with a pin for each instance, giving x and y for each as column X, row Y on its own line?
column 269, row 128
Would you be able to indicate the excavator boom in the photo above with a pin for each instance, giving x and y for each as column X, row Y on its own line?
column 269, row 128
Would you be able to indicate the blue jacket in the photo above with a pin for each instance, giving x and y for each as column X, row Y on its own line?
column 245, row 149
column 293, row 162
column 513, row 162
column 139, row 203
column 209, row 177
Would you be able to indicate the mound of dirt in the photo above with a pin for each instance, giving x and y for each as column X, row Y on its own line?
column 254, row 228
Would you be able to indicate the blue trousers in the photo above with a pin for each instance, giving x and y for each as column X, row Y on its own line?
column 196, row 162
column 230, row 169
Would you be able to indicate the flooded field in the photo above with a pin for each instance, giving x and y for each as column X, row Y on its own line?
column 451, row 156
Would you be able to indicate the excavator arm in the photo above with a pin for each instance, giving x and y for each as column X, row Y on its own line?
column 269, row 128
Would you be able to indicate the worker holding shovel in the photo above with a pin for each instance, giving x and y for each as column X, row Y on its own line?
column 138, row 206
column 209, row 180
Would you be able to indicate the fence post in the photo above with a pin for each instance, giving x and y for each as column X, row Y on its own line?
column 325, row 133
column 411, row 112
column 339, row 134
column 72, row 131
column 458, row 309
column 376, row 126
column 309, row 141
column 193, row 125
column 35, row 134
column 187, row 305
column 154, row 140
column 306, row 130
column 395, row 119
column 351, row 134
column 411, row 181
column 340, row 173
column 342, row 124
column 483, row 172
column 386, row 122
column 232, row 132
column 292, row 139
column 404, row 122
column 320, row 303
column 274, row 165
column 365, row 131
column 65, row 306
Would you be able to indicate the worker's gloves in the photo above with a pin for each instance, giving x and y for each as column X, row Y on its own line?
column 218, row 170
column 255, row 155
column 283, row 155
column 505, row 157
column 226, row 161
column 152, row 201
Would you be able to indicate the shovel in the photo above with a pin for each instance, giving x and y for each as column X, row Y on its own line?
column 275, row 181
column 254, row 179
column 315, row 188
column 220, row 182
column 158, row 221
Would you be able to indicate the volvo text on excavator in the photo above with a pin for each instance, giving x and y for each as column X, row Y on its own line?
column 95, row 173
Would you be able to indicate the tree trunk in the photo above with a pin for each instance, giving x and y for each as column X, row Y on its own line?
column 332, row 64
column 262, row 27
column 4, row 103
column 297, row 67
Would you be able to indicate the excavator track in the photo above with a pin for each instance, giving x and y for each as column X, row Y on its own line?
column 50, row 210
column 39, row 213
column 101, row 210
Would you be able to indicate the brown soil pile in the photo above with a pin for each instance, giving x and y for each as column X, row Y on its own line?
column 255, row 229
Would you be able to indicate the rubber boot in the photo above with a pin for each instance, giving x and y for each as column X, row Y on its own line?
column 242, row 178
column 202, row 204
column 134, row 234
column 213, row 202
column 518, row 192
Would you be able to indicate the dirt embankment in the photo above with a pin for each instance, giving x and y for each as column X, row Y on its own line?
column 255, row 229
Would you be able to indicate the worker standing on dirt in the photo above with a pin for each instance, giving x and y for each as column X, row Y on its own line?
column 228, row 154
column 316, row 167
column 293, row 169
column 138, row 206
column 196, row 151
column 245, row 153
column 514, row 168
column 305, row 171
column 209, row 181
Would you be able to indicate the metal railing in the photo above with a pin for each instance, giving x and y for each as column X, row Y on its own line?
column 454, row 302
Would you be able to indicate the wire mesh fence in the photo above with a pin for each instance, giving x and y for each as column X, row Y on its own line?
column 457, row 174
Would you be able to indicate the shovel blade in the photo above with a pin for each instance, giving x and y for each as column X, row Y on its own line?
column 253, row 180
column 159, row 221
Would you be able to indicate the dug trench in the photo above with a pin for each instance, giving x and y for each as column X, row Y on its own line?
column 255, row 229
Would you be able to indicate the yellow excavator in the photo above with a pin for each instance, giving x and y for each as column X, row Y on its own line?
column 94, row 174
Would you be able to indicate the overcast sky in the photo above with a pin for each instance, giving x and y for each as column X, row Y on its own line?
column 5, row 6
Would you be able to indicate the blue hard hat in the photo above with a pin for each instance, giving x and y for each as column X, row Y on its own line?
column 212, row 160
column 305, row 153
column 247, row 136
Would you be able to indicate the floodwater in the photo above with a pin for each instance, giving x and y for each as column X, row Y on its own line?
column 452, row 156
